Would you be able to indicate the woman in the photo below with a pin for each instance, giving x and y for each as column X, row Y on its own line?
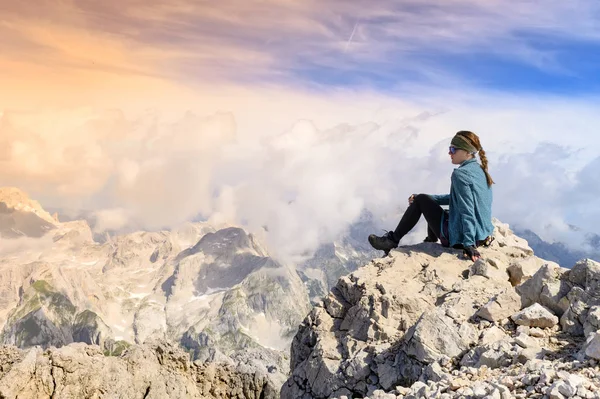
column 468, row 223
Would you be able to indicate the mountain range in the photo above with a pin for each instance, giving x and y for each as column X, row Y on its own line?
column 214, row 290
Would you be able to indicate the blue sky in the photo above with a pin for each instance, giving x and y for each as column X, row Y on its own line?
column 527, row 46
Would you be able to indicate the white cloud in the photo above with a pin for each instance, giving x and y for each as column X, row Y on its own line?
column 32, row 247
column 111, row 219
column 306, row 179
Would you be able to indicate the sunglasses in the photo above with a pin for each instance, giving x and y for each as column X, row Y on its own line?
column 452, row 150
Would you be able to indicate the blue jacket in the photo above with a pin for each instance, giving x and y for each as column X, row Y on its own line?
column 470, row 201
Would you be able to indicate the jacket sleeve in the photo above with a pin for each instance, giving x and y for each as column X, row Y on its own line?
column 465, row 205
column 442, row 199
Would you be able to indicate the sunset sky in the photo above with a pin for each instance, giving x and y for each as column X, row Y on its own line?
column 298, row 114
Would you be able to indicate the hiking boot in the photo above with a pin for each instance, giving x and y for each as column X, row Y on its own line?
column 384, row 243
column 430, row 239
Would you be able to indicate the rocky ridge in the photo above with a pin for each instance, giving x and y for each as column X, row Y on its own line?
column 426, row 323
column 157, row 369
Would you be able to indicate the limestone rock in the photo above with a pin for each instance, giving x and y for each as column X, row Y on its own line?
column 581, row 301
column 535, row 316
column 521, row 270
column 586, row 273
column 592, row 321
column 592, row 346
column 401, row 319
column 156, row 370
column 548, row 287
column 492, row 334
column 526, row 341
column 493, row 355
column 501, row 306
column 435, row 335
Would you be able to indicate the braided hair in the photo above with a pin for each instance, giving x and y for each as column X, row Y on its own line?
column 474, row 139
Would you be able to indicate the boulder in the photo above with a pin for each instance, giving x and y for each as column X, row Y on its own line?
column 436, row 335
column 548, row 287
column 535, row 316
column 500, row 306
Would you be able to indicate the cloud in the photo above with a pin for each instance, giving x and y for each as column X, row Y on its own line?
column 305, row 180
column 116, row 219
column 33, row 247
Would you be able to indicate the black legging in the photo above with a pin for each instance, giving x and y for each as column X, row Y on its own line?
column 424, row 205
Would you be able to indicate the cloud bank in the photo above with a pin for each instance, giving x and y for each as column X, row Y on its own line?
column 302, row 185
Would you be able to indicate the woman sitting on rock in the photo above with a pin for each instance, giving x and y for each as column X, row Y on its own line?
column 468, row 222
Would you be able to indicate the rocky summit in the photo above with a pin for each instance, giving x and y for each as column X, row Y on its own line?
column 425, row 323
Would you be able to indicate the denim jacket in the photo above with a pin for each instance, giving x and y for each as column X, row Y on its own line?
column 470, row 205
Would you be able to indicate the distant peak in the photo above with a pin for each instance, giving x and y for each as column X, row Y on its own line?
column 17, row 199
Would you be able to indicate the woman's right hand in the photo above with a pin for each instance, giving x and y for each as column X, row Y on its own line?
column 472, row 253
column 411, row 199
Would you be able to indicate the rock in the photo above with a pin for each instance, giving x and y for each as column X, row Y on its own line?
column 566, row 389
column 479, row 390
column 379, row 394
column 580, row 303
column 582, row 299
column 537, row 332
column 592, row 321
column 433, row 372
column 479, row 268
column 156, row 370
column 88, row 327
column 531, row 353
column 547, row 287
column 128, row 288
column 547, row 376
column 591, row 348
column 523, row 330
column 554, row 393
column 433, row 336
column 501, row 306
column 535, row 316
column 525, row 341
column 586, row 273
column 359, row 367
column 503, row 390
column 506, row 239
column 492, row 334
column 521, row 270
column 457, row 383
column 494, row 355
column 423, row 318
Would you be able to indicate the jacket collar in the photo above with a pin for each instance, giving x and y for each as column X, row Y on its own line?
column 468, row 161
